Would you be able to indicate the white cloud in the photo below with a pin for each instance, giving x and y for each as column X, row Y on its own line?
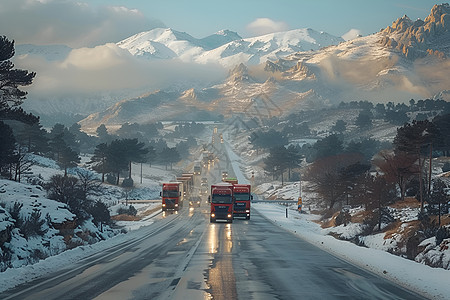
column 109, row 68
column 76, row 24
column 351, row 34
column 263, row 26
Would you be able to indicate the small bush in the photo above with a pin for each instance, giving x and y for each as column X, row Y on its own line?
column 441, row 234
column 100, row 213
column 111, row 178
column 343, row 217
column 131, row 210
column 36, row 180
column 128, row 182
column 32, row 225
column 14, row 211
column 427, row 227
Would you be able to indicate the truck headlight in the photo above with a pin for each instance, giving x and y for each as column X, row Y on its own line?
column 176, row 205
column 213, row 215
column 247, row 211
column 164, row 205
column 229, row 215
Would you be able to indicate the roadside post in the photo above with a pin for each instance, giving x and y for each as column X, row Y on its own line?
column 300, row 201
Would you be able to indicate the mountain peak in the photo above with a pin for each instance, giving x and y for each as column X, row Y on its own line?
column 226, row 32
column 219, row 38
column 414, row 39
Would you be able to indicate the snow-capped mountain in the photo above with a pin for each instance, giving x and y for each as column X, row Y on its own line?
column 225, row 47
column 256, row 50
column 166, row 43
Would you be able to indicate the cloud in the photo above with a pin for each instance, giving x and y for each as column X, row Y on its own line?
column 71, row 23
column 351, row 34
column 112, row 70
column 263, row 26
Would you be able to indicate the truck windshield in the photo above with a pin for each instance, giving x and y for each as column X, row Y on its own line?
column 242, row 196
column 221, row 199
column 170, row 194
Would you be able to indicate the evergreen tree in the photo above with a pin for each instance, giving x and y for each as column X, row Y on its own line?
column 10, row 78
column 100, row 213
column 100, row 159
column 135, row 152
column 103, row 135
column 33, row 137
column 67, row 158
column 278, row 161
column 7, row 147
column 340, row 126
column 169, row 156
column 61, row 133
column 266, row 140
column 364, row 119
column 117, row 158
column 330, row 146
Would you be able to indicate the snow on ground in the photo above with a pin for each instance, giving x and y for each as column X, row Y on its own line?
column 431, row 282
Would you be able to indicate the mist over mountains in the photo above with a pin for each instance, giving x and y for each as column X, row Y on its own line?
column 168, row 74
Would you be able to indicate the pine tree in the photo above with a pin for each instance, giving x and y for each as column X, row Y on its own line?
column 10, row 78
column 100, row 159
column 7, row 146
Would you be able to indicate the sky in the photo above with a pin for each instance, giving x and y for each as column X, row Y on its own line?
column 88, row 23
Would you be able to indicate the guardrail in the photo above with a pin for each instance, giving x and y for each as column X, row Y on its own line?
column 277, row 201
column 135, row 201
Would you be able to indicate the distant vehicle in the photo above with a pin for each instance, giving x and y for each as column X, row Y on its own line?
column 222, row 201
column 172, row 195
column 230, row 180
column 197, row 170
column 195, row 201
column 204, row 181
column 190, row 183
column 205, row 162
column 224, row 175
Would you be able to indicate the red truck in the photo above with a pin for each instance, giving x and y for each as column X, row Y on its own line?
column 222, row 201
column 242, row 197
column 172, row 195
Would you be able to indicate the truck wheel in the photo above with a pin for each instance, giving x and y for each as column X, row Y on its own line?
column 247, row 218
column 211, row 220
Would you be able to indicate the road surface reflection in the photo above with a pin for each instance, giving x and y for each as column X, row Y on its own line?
column 221, row 279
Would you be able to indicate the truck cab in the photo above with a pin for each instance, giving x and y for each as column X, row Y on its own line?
column 222, row 201
column 242, row 195
column 172, row 196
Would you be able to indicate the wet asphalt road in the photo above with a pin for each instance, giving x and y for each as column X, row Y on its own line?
column 183, row 256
